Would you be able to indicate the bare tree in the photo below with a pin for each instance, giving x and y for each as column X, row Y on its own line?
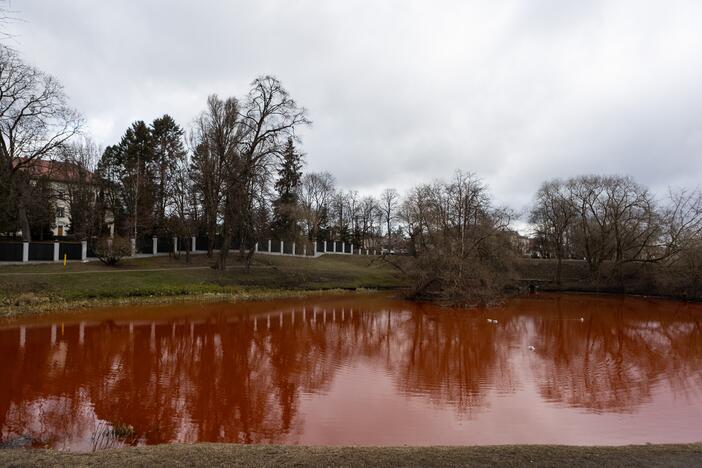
column 340, row 215
column 458, row 241
column 681, row 223
column 213, row 141
column 35, row 120
column 78, row 163
column 316, row 192
column 181, row 202
column 616, row 221
column 7, row 16
column 266, row 122
column 368, row 214
column 389, row 200
column 553, row 214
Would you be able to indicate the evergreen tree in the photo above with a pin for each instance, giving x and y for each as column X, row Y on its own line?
column 127, row 168
column 110, row 195
column 168, row 151
column 286, row 206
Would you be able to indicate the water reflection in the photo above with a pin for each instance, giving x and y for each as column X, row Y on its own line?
column 267, row 372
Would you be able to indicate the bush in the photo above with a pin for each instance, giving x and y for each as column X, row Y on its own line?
column 112, row 251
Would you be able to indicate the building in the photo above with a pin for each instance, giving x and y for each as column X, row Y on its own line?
column 63, row 177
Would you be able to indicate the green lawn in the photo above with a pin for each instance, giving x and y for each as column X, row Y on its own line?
column 275, row 455
column 50, row 285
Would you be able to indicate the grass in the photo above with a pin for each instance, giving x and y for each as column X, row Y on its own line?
column 44, row 287
column 275, row 455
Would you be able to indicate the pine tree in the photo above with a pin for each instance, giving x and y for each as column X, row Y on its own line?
column 285, row 207
column 168, row 150
column 127, row 169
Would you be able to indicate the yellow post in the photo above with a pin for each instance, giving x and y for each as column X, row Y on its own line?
column 65, row 257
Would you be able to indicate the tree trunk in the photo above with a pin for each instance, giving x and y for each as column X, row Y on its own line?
column 24, row 220
column 221, row 263
column 211, row 236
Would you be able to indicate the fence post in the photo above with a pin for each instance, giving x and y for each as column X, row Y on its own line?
column 84, row 249
column 256, row 247
column 325, row 247
column 154, row 245
column 293, row 251
column 25, row 251
column 282, row 246
column 193, row 244
column 175, row 245
column 56, row 251
column 132, row 242
column 315, row 248
column 343, row 247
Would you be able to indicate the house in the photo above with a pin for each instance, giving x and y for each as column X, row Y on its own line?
column 63, row 178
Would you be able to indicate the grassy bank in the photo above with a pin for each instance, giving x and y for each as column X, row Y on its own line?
column 43, row 287
column 271, row 455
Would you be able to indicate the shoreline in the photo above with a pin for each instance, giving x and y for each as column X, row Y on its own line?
column 32, row 290
column 245, row 295
column 593, row 292
column 209, row 454
column 45, row 306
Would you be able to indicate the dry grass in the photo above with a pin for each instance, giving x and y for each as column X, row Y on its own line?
column 48, row 287
column 272, row 455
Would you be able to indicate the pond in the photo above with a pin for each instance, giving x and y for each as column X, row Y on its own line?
column 366, row 370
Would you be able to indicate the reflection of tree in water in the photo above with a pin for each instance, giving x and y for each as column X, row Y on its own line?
column 612, row 360
column 223, row 382
column 452, row 357
column 218, row 376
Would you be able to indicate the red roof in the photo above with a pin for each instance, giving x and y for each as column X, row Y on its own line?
column 58, row 171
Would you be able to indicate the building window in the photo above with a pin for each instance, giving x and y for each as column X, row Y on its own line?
column 60, row 212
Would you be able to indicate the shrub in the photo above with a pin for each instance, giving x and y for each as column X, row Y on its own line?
column 112, row 251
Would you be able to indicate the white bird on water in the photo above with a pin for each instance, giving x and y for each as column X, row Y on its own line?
column 492, row 321
column 531, row 348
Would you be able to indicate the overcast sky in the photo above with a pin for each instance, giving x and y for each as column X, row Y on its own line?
column 403, row 91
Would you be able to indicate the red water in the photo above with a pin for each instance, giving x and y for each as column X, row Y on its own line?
column 361, row 370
